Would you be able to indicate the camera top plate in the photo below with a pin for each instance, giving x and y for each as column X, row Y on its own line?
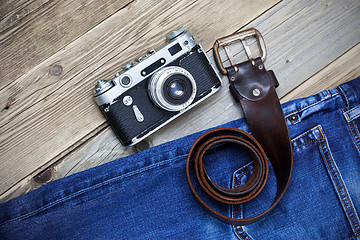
column 172, row 51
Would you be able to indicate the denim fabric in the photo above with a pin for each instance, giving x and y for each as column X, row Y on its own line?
column 146, row 195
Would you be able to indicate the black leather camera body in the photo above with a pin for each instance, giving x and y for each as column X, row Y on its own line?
column 159, row 88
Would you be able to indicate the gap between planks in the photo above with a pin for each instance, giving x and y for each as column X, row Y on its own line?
column 51, row 112
column 61, row 168
column 92, row 152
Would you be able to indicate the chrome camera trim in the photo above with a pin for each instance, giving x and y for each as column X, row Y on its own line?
column 157, row 83
column 137, row 140
column 186, row 41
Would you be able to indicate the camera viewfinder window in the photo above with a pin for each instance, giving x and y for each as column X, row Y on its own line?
column 175, row 49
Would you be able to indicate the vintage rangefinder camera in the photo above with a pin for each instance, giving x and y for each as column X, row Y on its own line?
column 158, row 88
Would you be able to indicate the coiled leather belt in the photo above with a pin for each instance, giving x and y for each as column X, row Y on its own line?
column 254, row 87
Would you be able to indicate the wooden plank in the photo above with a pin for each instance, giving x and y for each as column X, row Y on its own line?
column 7, row 6
column 50, row 109
column 301, row 39
column 38, row 29
column 105, row 147
column 342, row 70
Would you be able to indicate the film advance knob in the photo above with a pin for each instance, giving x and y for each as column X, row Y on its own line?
column 102, row 86
column 175, row 34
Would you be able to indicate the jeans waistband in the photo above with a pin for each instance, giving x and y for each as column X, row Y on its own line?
column 98, row 179
column 347, row 97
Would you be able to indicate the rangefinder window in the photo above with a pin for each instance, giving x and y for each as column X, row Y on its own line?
column 175, row 49
column 157, row 88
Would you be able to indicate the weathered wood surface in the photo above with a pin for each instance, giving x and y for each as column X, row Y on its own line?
column 32, row 31
column 52, row 114
column 53, row 123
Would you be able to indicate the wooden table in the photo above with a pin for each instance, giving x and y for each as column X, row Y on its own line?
column 53, row 52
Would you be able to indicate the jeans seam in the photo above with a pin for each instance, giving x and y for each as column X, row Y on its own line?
column 305, row 143
column 336, row 184
column 306, row 133
column 356, row 130
column 352, row 134
column 240, row 227
column 346, row 97
column 353, row 237
column 355, row 116
column 309, row 105
column 245, row 166
column 239, row 216
column 89, row 188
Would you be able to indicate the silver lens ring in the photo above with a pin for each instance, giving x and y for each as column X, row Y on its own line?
column 156, row 88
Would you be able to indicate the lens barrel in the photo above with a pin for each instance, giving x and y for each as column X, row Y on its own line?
column 172, row 88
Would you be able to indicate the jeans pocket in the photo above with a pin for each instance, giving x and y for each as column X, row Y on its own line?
column 316, row 205
column 352, row 117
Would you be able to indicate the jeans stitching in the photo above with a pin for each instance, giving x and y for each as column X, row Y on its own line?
column 352, row 134
column 309, row 105
column 238, row 234
column 239, row 216
column 90, row 188
column 305, row 144
column 238, row 177
column 308, row 132
column 240, row 227
column 341, row 181
column 336, row 184
column 346, row 97
column 245, row 166
column 353, row 237
column 355, row 116
column 243, row 175
column 356, row 130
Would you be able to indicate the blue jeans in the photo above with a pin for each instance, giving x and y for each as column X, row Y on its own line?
column 146, row 195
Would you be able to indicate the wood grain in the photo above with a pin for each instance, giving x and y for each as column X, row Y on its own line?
column 301, row 39
column 8, row 6
column 32, row 31
column 105, row 147
column 52, row 110
column 343, row 69
column 294, row 58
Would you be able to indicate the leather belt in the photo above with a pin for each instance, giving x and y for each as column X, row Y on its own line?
column 254, row 87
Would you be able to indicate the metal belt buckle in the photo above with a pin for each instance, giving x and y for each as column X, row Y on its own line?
column 240, row 36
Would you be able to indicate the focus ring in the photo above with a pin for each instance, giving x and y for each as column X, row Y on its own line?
column 156, row 88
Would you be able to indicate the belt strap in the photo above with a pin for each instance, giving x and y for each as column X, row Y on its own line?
column 254, row 87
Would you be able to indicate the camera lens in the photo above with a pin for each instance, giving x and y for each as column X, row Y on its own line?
column 176, row 89
column 172, row 88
